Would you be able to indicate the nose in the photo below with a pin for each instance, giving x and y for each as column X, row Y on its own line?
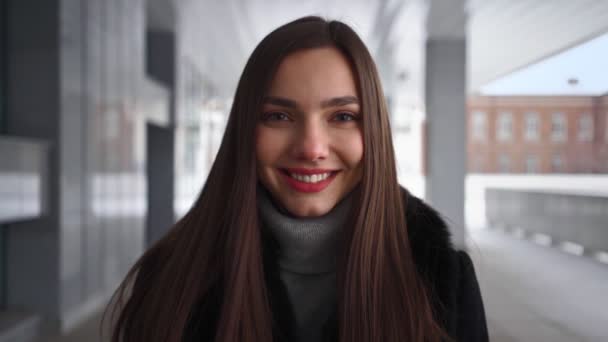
column 311, row 142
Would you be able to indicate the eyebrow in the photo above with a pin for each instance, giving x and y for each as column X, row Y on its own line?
column 333, row 102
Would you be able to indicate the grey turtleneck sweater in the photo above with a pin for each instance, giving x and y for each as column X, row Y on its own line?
column 307, row 253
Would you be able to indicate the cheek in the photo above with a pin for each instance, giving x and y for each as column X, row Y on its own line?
column 267, row 147
column 352, row 152
column 260, row 147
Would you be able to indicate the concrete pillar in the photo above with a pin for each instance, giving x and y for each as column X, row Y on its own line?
column 161, row 67
column 33, row 111
column 445, row 98
column 161, row 181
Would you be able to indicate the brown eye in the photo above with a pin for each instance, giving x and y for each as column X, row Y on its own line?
column 275, row 116
column 344, row 117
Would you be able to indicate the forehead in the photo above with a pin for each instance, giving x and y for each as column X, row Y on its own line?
column 313, row 75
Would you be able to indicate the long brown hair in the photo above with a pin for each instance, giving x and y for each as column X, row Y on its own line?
column 218, row 243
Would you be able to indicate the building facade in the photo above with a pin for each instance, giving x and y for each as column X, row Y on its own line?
column 100, row 112
column 537, row 134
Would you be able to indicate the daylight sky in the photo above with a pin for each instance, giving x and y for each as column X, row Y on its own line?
column 587, row 63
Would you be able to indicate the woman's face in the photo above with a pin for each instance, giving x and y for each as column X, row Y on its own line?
column 309, row 143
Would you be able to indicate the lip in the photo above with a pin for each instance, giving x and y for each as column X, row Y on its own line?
column 308, row 187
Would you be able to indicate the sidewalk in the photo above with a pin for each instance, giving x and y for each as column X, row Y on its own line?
column 531, row 293
column 86, row 332
column 535, row 293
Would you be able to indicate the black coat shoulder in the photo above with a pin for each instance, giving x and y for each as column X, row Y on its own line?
column 448, row 273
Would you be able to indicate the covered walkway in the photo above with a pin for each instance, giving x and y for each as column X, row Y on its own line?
column 112, row 112
column 520, row 305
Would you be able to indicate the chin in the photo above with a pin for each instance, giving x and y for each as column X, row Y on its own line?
column 309, row 211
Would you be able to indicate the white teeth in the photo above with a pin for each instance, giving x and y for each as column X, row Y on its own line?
column 310, row 178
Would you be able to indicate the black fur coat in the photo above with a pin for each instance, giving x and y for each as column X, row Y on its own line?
column 456, row 297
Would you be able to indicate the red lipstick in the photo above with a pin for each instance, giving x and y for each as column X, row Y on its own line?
column 308, row 187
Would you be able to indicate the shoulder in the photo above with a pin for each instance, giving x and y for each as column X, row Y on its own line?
column 429, row 236
column 426, row 227
column 448, row 273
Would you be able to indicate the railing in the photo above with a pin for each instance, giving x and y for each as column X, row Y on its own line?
column 579, row 218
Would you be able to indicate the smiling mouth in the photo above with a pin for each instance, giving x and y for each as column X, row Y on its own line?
column 309, row 180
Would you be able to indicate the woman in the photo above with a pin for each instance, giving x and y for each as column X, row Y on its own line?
column 301, row 232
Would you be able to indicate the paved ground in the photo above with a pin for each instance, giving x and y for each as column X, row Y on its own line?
column 535, row 293
column 87, row 332
column 531, row 293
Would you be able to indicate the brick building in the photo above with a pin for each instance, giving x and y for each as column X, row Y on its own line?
column 537, row 134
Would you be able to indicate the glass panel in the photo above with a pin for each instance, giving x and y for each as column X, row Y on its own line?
column 479, row 125
column 532, row 126
column 585, row 128
column 505, row 126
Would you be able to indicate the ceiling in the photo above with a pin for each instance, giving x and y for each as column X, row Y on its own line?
column 508, row 35
column 222, row 34
column 502, row 35
column 579, row 71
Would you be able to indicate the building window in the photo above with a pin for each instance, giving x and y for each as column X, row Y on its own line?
column 532, row 126
column 585, row 128
column 557, row 163
column 504, row 163
column 480, row 125
column 531, row 164
column 505, row 126
column 558, row 127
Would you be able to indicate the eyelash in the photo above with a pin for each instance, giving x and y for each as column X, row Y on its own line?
column 274, row 116
column 351, row 116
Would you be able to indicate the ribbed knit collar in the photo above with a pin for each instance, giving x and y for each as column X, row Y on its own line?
column 305, row 245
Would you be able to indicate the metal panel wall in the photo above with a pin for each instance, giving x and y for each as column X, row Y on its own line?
column 75, row 78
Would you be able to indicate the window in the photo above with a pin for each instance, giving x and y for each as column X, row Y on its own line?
column 504, row 163
column 556, row 163
column 479, row 122
column 531, row 164
column 505, row 126
column 585, row 128
column 532, row 126
column 558, row 127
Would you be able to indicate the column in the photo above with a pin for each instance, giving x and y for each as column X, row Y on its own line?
column 445, row 98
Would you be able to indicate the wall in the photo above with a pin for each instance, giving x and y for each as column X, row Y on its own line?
column 23, row 176
column 562, row 217
column 74, row 83
column 577, row 156
column 476, row 185
column 601, row 134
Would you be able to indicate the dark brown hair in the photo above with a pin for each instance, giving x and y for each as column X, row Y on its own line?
column 218, row 243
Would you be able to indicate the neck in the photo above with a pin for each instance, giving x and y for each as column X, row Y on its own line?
column 304, row 245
